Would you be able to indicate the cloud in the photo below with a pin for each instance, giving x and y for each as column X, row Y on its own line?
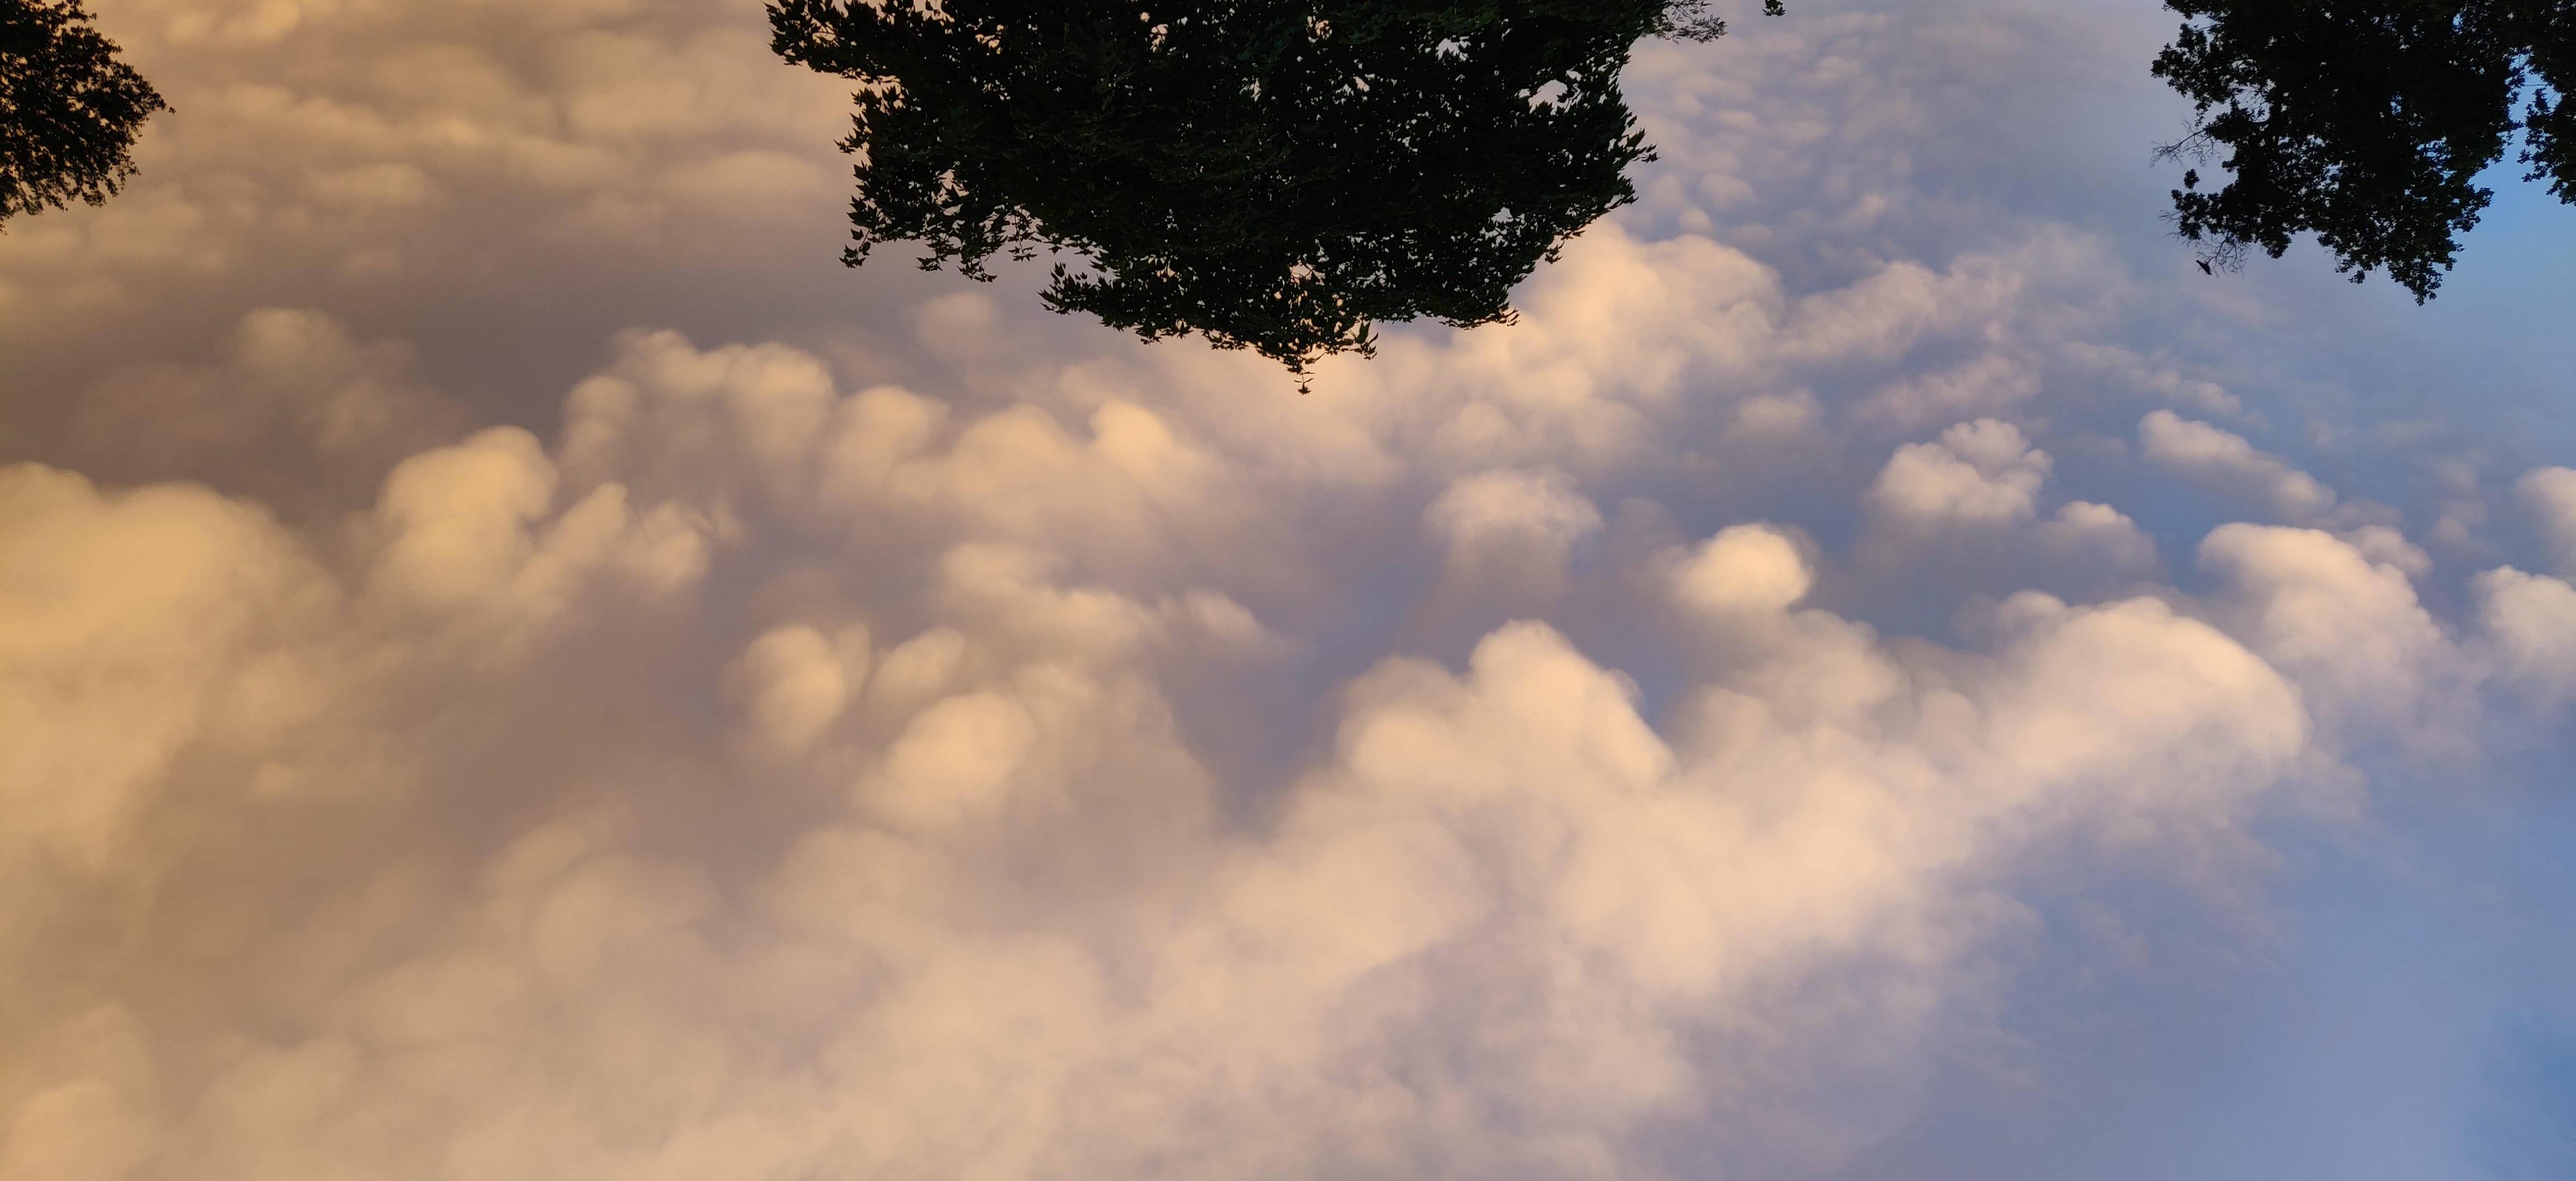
column 794, row 681
column 1964, row 511
column 1978, row 472
column 1467, row 837
column 2227, row 464
column 435, row 152
column 1745, row 568
column 138, row 621
column 466, row 537
column 2350, row 629
column 294, row 397
column 2085, row 535
column 871, row 728
column 2532, row 620
column 2550, row 492
column 1510, row 532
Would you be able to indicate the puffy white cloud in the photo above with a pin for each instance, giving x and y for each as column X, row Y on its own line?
column 1510, row 531
column 466, row 535
column 137, row 621
column 2097, row 537
column 2348, row 628
column 1744, row 569
column 1506, row 504
column 794, row 681
column 2551, row 494
column 1977, row 472
column 2227, row 463
column 1964, row 511
column 2531, row 619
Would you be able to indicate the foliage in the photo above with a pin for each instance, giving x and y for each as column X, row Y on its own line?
column 69, row 110
column 2366, row 122
column 1274, row 174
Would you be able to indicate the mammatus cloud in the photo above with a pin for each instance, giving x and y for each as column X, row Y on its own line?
column 2550, row 493
column 2229, row 464
column 1653, row 734
column 1018, row 927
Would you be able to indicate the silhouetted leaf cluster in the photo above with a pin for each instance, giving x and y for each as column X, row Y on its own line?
column 1274, row 174
column 69, row 110
column 2366, row 122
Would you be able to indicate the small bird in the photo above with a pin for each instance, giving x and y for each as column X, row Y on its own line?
column 2204, row 266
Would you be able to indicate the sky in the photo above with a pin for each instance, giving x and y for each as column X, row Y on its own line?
column 514, row 663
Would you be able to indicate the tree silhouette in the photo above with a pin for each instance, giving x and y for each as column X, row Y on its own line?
column 69, row 110
column 1273, row 174
column 2366, row 122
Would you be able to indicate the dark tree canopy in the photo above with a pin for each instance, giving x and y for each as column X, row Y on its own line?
column 69, row 111
column 2366, row 122
column 1274, row 174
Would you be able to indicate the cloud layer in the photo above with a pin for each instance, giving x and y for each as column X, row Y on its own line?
column 871, row 729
